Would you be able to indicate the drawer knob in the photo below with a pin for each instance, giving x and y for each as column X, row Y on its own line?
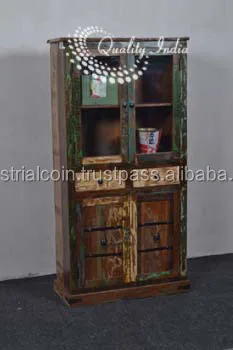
column 131, row 104
column 124, row 104
column 100, row 182
column 156, row 237
column 103, row 242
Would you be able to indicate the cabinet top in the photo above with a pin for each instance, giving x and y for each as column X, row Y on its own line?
column 94, row 39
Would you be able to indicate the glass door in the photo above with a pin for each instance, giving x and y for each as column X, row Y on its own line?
column 152, row 109
column 97, row 121
column 100, row 113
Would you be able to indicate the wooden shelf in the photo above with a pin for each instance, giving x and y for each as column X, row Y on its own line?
column 142, row 105
column 99, row 106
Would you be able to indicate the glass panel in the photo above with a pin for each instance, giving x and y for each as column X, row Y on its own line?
column 154, row 129
column 155, row 85
column 101, row 132
column 100, row 110
column 97, row 89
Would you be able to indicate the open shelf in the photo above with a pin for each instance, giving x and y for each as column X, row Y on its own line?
column 101, row 132
column 155, row 85
column 159, row 119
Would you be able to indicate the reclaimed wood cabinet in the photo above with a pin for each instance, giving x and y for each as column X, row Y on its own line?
column 120, row 239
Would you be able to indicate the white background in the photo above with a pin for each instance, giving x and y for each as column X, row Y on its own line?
column 26, row 209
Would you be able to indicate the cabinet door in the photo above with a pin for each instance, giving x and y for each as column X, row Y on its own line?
column 157, row 105
column 97, row 123
column 100, row 242
column 158, row 235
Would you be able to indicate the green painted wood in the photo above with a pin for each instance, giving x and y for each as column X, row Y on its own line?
column 153, row 275
column 183, row 106
column 73, row 127
column 176, row 104
column 131, row 112
column 123, row 99
column 183, row 230
column 73, row 110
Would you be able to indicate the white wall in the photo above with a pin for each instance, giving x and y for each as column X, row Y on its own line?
column 26, row 209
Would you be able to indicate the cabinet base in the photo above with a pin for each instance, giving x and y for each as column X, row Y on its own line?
column 164, row 288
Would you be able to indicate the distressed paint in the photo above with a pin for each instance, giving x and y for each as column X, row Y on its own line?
column 57, row 163
column 124, row 116
column 90, row 182
column 100, row 218
column 133, row 238
column 110, row 267
column 104, row 201
column 74, row 266
column 183, row 230
column 131, row 113
column 126, row 240
column 156, row 211
column 80, row 245
column 183, row 106
column 101, row 160
column 153, row 275
column 167, row 176
column 73, row 136
column 103, row 219
column 176, row 104
column 73, row 107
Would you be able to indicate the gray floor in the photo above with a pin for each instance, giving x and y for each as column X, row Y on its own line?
column 32, row 317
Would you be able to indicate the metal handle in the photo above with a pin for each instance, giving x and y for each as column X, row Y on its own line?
column 103, row 242
column 100, row 182
column 131, row 104
column 156, row 237
column 125, row 104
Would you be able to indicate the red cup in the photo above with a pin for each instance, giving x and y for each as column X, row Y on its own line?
column 149, row 140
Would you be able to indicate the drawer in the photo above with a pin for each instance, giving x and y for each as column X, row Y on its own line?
column 103, row 271
column 151, row 263
column 103, row 212
column 103, row 241
column 157, row 177
column 155, row 236
column 97, row 181
column 155, row 211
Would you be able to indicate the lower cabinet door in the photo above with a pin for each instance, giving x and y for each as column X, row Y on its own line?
column 127, row 239
column 157, row 235
column 100, row 242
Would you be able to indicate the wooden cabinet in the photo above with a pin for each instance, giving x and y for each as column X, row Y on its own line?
column 121, row 210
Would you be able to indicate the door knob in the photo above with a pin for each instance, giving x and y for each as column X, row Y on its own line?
column 156, row 237
column 131, row 104
column 103, row 242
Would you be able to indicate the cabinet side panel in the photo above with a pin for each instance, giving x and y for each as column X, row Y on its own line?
column 183, row 153
column 59, row 163
column 176, row 103
column 183, row 106
column 183, row 230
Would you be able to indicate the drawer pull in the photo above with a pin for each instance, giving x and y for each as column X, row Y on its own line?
column 100, row 182
column 103, row 242
column 156, row 237
column 131, row 104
